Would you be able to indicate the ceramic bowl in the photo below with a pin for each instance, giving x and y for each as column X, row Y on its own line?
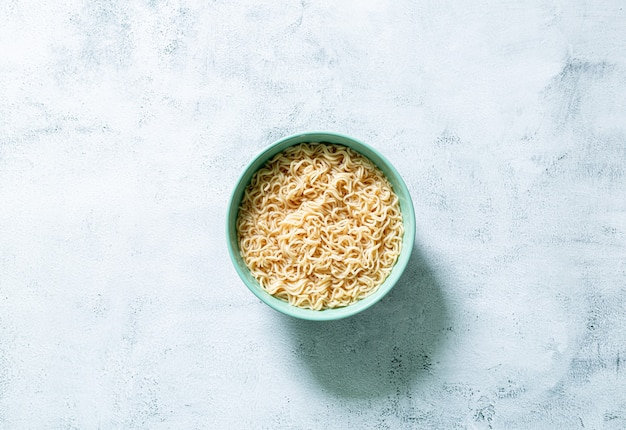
column 406, row 206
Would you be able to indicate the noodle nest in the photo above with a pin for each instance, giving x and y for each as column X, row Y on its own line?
column 319, row 226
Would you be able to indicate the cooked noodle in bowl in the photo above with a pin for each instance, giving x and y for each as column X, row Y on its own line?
column 320, row 226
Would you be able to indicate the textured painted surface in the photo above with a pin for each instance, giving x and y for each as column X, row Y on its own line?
column 123, row 127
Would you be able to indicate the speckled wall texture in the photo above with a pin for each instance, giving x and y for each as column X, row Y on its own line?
column 124, row 126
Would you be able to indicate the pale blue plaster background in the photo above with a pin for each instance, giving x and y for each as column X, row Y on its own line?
column 124, row 125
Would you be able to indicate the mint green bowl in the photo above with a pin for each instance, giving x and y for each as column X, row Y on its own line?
column 406, row 206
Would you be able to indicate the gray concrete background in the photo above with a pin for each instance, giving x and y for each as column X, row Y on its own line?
column 124, row 125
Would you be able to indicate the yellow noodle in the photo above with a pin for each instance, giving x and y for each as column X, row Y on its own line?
column 320, row 226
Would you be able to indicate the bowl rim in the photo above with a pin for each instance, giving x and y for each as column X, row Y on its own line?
column 392, row 175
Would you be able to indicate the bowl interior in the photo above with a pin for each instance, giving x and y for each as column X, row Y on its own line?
column 406, row 207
